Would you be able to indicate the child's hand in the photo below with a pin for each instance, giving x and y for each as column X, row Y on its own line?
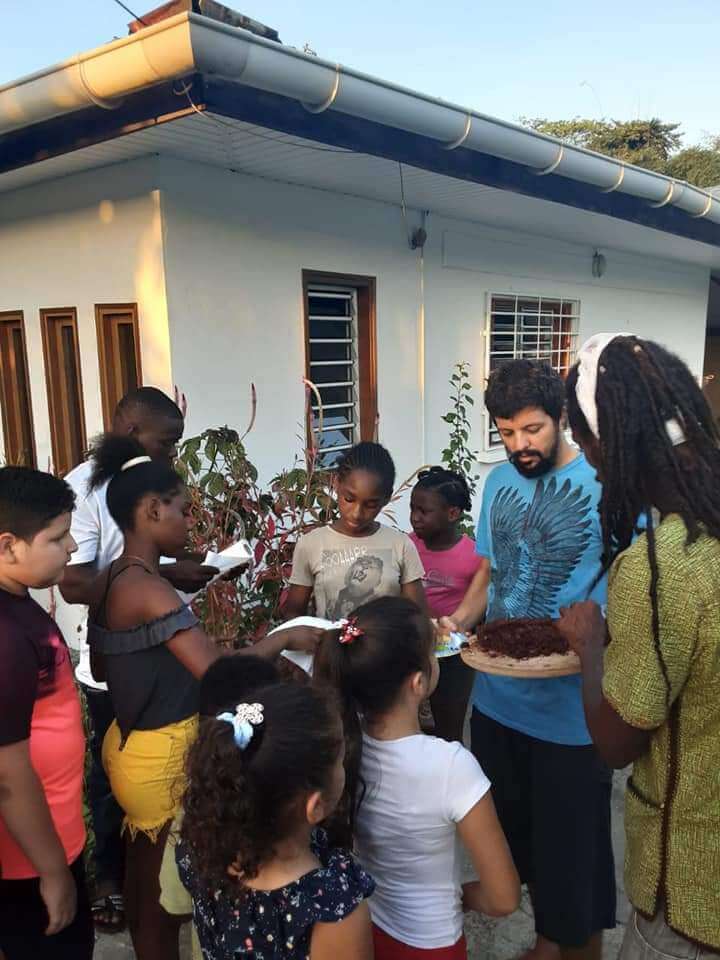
column 60, row 898
column 303, row 638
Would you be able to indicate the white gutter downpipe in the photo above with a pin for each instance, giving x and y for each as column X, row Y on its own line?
column 188, row 42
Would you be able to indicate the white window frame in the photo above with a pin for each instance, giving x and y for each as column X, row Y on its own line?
column 561, row 358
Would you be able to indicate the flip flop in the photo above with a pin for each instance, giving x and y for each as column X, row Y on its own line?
column 109, row 913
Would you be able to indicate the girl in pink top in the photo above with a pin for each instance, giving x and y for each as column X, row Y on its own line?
column 439, row 499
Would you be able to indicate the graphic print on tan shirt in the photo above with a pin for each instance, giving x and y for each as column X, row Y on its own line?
column 346, row 572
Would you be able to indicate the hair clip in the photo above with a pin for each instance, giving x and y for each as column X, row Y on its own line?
column 602, row 369
column 349, row 631
column 247, row 716
column 134, row 462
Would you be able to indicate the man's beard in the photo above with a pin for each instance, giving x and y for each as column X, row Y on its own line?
column 543, row 465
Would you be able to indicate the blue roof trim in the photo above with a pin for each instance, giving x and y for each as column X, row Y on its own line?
column 365, row 136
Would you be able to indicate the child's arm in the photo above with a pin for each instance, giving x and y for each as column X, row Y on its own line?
column 496, row 892
column 416, row 592
column 296, row 602
column 24, row 810
column 411, row 574
column 349, row 939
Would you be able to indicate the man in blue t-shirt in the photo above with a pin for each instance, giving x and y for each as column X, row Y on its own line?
column 539, row 532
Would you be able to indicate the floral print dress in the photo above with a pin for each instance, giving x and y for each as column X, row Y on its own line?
column 276, row 924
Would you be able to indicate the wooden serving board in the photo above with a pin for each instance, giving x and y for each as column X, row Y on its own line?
column 538, row 668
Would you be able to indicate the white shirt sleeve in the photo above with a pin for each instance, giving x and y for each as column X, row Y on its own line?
column 85, row 527
column 466, row 784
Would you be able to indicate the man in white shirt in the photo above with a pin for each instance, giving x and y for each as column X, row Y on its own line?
column 157, row 424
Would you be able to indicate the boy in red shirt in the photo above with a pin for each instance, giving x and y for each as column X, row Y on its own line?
column 44, row 908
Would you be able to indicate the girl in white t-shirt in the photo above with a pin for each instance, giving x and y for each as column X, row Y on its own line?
column 419, row 799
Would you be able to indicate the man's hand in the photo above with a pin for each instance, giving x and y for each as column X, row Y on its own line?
column 188, row 576
column 60, row 898
column 584, row 628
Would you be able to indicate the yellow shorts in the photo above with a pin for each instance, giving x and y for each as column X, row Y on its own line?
column 147, row 776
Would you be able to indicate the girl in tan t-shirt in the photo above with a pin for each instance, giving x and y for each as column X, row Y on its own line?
column 355, row 558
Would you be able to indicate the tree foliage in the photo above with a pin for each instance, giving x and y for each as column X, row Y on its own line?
column 651, row 144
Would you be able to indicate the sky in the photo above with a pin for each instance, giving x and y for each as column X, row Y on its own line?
column 510, row 59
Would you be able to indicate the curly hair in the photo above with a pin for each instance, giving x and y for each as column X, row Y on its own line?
column 239, row 804
column 519, row 384
column 126, row 488
column 640, row 387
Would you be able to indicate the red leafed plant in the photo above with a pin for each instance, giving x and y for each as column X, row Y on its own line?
column 228, row 503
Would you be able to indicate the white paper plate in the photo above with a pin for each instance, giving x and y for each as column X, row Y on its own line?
column 299, row 657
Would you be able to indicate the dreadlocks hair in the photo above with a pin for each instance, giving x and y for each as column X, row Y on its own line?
column 640, row 387
column 373, row 458
column 451, row 486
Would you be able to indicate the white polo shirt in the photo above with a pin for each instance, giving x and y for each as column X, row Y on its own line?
column 99, row 541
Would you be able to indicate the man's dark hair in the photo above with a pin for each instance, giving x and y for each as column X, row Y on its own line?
column 30, row 500
column 519, row 384
column 150, row 400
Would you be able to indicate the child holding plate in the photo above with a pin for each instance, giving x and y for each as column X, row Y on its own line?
column 439, row 499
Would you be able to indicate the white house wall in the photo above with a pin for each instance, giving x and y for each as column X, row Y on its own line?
column 75, row 242
column 235, row 250
column 94, row 238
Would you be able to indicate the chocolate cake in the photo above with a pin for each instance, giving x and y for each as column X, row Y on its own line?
column 521, row 639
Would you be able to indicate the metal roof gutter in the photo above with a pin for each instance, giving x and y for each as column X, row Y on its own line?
column 191, row 43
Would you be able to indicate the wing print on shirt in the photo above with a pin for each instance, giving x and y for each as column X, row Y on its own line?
column 536, row 547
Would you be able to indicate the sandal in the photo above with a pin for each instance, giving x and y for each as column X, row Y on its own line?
column 109, row 913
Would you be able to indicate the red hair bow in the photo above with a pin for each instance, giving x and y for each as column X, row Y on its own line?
column 349, row 631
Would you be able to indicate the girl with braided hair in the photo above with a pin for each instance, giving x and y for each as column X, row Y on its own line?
column 439, row 499
column 644, row 424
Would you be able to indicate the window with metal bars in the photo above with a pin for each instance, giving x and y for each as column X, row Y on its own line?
column 339, row 319
column 533, row 328
column 19, row 439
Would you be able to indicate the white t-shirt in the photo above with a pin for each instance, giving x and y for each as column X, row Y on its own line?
column 418, row 789
column 99, row 541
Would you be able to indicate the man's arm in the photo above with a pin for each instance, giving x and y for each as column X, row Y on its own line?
column 25, row 812
column 75, row 584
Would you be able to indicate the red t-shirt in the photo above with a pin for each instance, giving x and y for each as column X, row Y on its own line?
column 448, row 574
column 39, row 702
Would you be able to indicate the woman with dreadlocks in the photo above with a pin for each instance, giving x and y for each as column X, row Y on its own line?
column 655, row 701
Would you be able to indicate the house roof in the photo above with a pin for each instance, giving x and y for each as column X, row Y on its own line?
column 190, row 69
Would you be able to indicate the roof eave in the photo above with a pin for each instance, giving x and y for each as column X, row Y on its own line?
column 331, row 97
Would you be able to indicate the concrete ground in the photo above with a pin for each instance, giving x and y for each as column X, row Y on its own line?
column 487, row 939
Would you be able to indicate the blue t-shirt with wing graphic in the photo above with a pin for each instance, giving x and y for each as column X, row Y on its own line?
column 544, row 543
